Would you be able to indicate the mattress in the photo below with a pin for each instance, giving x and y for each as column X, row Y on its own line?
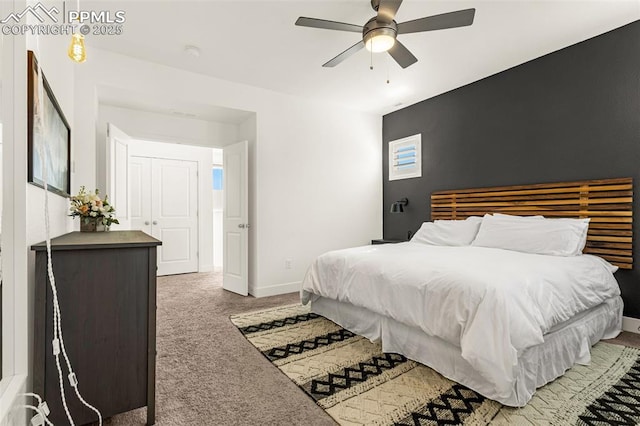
column 565, row 345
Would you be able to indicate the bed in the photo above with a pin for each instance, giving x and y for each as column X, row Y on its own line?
column 502, row 322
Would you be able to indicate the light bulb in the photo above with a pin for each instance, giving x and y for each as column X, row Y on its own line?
column 77, row 51
column 380, row 43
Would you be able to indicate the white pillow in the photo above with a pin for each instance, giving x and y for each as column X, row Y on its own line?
column 448, row 232
column 558, row 237
column 583, row 223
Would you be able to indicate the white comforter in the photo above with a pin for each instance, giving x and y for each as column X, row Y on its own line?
column 491, row 303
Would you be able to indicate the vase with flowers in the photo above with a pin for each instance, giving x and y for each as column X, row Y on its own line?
column 95, row 213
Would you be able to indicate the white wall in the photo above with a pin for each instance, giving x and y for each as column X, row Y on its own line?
column 15, row 294
column 167, row 128
column 218, row 156
column 308, row 156
column 204, row 157
column 324, row 168
column 23, row 214
column 0, row 179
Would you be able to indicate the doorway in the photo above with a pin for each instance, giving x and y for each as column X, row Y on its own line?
column 169, row 192
column 187, row 134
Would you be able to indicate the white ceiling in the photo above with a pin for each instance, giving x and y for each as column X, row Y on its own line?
column 256, row 43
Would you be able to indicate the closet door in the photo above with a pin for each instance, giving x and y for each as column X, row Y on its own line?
column 174, row 207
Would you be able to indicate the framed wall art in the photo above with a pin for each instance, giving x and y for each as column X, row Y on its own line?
column 405, row 158
column 48, row 135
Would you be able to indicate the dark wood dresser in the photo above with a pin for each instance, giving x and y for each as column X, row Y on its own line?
column 107, row 293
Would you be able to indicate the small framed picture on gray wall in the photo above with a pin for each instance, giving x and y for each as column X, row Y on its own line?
column 405, row 158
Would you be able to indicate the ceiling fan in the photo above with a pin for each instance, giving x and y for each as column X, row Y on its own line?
column 380, row 33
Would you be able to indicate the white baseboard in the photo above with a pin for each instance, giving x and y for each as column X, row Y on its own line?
column 631, row 324
column 206, row 268
column 11, row 401
column 274, row 290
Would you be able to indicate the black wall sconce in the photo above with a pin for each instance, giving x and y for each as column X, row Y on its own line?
column 398, row 206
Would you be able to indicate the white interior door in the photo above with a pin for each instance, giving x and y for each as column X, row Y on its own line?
column 118, row 174
column 174, row 211
column 140, row 192
column 235, row 222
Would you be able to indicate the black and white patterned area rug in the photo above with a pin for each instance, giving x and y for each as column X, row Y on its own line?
column 357, row 384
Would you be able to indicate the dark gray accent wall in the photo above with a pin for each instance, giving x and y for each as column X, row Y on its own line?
column 571, row 115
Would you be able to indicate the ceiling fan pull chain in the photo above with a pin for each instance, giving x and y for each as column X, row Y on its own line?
column 371, row 63
column 388, row 80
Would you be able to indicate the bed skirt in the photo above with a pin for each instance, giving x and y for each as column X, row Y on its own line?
column 564, row 346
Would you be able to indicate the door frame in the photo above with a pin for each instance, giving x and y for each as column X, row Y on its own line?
column 204, row 157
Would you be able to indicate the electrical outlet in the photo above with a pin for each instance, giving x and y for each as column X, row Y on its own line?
column 288, row 264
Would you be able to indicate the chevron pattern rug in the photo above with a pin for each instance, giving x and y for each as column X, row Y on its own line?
column 357, row 384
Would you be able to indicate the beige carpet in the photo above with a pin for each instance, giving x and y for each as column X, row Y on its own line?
column 357, row 384
column 209, row 374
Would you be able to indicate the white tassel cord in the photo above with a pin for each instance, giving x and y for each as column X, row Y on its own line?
column 39, row 409
column 58, row 341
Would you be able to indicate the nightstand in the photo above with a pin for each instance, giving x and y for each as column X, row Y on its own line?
column 387, row 241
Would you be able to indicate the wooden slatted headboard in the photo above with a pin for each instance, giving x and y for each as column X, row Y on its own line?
column 608, row 202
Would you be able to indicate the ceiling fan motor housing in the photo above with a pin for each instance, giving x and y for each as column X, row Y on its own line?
column 375, row 28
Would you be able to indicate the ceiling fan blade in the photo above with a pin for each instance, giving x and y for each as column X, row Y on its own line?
column 460, row 18
column 387, row 10
column 401, row 54
column 344, row 55
column 327, row 25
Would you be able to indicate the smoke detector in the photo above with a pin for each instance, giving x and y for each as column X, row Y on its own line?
column 192, row 51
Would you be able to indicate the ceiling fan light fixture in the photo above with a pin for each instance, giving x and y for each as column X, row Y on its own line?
column 380, row 40
column 380, row 43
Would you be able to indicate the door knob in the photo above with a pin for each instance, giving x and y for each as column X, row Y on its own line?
column 155, row 222
column 146, row 222
column 241, row 225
